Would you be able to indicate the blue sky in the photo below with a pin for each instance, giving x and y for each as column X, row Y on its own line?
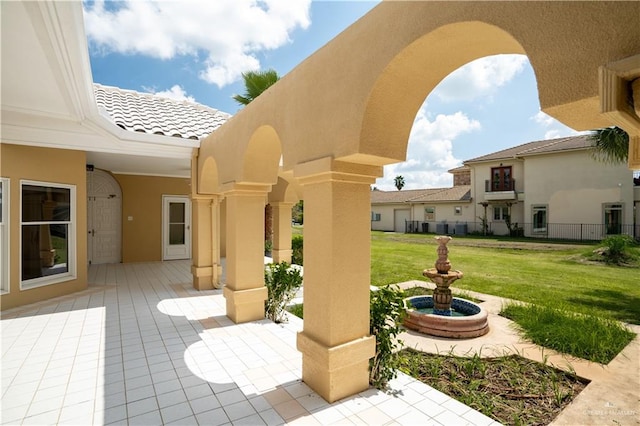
column 197, row 50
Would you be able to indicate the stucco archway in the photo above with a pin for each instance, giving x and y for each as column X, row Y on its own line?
column 347, row 110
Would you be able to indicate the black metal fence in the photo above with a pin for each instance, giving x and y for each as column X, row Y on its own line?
column 552, row 231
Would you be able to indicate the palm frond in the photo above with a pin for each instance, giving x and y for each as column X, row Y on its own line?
column 610, row 145
column 256, row 82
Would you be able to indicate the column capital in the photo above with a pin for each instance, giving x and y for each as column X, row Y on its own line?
column 330, row 169
column 206, row 197
column 282, row 203
column 241, row 188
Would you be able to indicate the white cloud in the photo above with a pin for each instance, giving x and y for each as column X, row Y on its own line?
column 228, row 32
column 543, row 119
column 176, row 92
column 480, row 77
column 553, row 128
column 430, row 152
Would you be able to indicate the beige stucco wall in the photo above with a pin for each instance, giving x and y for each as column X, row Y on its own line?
column 46, row 165
column 385, row 90
column 386, row 216
column 142, row 201
column 444, row 212
column 575, row 187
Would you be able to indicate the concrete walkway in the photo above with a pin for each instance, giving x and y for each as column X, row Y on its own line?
column 612, row 397
column 142, row 347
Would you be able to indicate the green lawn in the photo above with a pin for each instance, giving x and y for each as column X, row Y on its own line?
column 543, row 273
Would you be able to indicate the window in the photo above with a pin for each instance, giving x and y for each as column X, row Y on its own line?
column 375, row 217
column 429, row 214
column 501, row 179
column 539, row 218
column 500, row 212
column 47, row 222
column 4, row 235
column 457, row 210
column 613, row 218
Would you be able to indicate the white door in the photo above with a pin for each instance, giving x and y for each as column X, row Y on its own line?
column 399, row 219
column 176, row 227
column 104, row 208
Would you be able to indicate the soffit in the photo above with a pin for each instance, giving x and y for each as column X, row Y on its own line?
column 30, row 82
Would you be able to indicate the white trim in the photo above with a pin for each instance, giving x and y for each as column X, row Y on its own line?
column 166, row 199
column 5, row 287
column 153, row 174
column 71, row 239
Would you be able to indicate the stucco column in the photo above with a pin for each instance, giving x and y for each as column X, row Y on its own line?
column 281, row 250
column 244, row 291
column 335, row 342
column 205, row 268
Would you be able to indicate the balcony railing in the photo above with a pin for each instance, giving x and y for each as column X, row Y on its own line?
column 499, row 186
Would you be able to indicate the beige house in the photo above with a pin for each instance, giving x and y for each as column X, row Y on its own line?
column 436, row 210
column 555, row 189
column 529, row 188
column 299, row 132
column 90, row 174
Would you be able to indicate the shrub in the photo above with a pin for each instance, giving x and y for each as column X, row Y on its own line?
column 297, row 250
column 386, row 315
column 282, row 282
column 616, row 248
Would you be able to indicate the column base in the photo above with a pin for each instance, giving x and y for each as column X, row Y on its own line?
column 339, row 371
column 245, row 305
column 282, row 256
column 205, row 277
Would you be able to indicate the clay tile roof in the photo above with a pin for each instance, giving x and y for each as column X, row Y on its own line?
column 149, row 113
column 457, row 193
column 538, row 147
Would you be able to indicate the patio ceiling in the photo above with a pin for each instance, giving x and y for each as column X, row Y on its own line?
column 48, row 98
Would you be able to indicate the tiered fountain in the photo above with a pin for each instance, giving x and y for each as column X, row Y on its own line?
column 441, row 314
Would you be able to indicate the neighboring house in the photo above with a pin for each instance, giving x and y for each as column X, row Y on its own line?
column 90, row 174
column 421, row 210
column 530, row 189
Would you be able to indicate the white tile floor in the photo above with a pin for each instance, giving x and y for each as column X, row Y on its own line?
column 141, row 347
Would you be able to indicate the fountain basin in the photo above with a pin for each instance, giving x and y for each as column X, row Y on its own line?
column 467, row 320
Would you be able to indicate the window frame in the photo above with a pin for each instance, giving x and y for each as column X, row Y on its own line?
column 504, row 212
column 71, row 273
column 5, row 194
column 427, row 212
column 611, row 207
column 375, row 217
column 534, row 209
column 457, row 210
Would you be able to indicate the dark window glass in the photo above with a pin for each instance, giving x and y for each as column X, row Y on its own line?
column 45, row 204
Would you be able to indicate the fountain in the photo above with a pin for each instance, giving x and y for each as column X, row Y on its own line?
column 441, row 314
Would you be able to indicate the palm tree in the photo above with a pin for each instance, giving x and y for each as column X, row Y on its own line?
column 256, row 82
column 610, row 145
column 399, row 182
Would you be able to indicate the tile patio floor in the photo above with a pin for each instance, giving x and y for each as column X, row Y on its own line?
column 141, row 347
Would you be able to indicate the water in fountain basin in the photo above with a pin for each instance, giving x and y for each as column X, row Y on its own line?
column 454, row 313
